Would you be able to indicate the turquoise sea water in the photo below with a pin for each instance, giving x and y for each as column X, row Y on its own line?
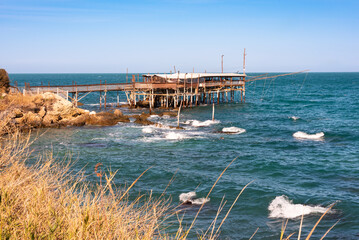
column 314, row 173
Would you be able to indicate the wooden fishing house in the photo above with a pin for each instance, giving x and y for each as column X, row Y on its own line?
column 192, row 89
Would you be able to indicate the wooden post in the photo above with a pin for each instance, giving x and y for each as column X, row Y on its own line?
column 222, row 62
column 105, row 94
column 178, row 115
column 213, row 112
column 118, row 99
column 166, row 98
column 126, row 75
column 244, row 62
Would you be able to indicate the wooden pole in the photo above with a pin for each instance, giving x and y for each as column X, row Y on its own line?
column 244, row 62
column 178, row 115
column 213, row 112
column 126, row 75
column 222, row 62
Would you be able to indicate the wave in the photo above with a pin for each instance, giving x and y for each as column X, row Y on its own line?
column 233, row 130
column 196, row 123
column 294, row 118
column 190, row 198
column 147, row 130
column 303, row 135
column 282, row 207
column 175, row 136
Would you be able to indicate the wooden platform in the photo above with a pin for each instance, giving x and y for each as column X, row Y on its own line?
column 158, row 90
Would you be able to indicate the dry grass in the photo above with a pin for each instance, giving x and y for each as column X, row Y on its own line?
column 14, row 100
column 45, row 200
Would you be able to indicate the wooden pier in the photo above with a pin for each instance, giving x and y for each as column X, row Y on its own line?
column 159, row 90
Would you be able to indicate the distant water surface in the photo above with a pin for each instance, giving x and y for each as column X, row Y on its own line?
column 286, row 170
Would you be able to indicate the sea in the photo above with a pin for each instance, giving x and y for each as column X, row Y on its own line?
column 295, row 140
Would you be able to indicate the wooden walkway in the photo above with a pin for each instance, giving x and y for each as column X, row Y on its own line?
column 156, row 90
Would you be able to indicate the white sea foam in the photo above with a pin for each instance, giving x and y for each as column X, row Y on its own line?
column 233, row 130
column 92, row 113
column 303, row 135
column 189, row 198
column 196, row 123
column 154, row 116
column 282, row 207
column 166, row 116
column 147, row 130
column 175, row 136
column 294, row 118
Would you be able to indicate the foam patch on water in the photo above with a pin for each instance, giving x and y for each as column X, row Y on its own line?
column 196, row 123
column 175, row 136
column 233, row 130
column 190, row 198
column 303, row 135
column 147, row 130
column 154, row 116
column 294, row 118
column 282, row 207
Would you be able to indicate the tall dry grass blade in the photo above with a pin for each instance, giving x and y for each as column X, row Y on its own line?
column 329, row 230
column 210, row 191
column 300, row 227
column 134, row 182
column 254, row 233
column 213, row 223
column 320, row 219
column 230, row 209
column 290, row 236
column 284, row 226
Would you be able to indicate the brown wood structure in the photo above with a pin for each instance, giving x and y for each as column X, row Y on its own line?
column 159, row 90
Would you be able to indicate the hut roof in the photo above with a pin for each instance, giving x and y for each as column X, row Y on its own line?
column 182, row 76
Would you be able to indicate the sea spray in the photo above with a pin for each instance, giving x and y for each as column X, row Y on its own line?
column 175, row 136
column 294, row 118
column 233, row 130
column 190, row 198
column 282, row 207
column 303, row 135
column 196, row 123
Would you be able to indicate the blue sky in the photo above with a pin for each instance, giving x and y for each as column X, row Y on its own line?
column 78, row 36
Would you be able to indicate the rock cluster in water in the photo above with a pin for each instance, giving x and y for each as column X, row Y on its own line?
column 51, row 110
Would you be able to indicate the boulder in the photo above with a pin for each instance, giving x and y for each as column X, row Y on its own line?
column 118, row 113
column 102, row 119
column 171, row 114
column 142, row 119
column 4, row 81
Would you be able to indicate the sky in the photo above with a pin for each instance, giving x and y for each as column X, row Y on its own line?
column 147, row 36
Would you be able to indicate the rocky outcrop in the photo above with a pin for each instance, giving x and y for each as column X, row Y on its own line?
column 4, row 82
column 50, row 110
column 106, row 119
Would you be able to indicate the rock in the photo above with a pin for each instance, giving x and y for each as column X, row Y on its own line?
column 118, row 113
column 171, row 114
column 142, row 119
column 42, row 112
column 4, row 81
column 76, row 121
column 143, row 104
column 102, row 119
column 32, row 119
